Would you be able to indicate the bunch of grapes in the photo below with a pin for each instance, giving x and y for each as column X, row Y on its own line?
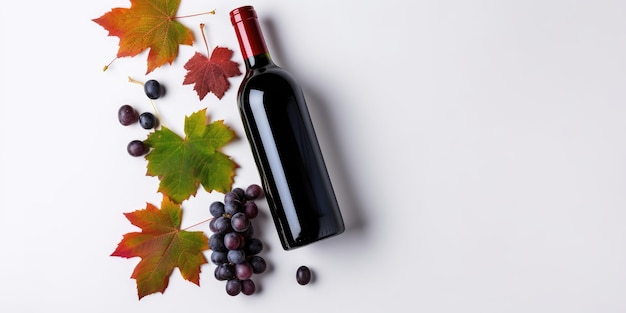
column 235, row 251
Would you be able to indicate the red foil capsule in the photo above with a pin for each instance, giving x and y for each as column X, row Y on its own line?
column 249, row 33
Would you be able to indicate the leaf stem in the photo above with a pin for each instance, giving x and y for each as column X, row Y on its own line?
column 157, row 114
column 132, row 80
column 199, row 223
column 206, row 44
column 192, row 15
column 106, row 67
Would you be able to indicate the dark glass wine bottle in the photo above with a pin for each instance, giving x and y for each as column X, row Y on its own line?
column 281, row 135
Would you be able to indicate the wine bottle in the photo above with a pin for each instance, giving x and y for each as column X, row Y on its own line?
column 279, row 129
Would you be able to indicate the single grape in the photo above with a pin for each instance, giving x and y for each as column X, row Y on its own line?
column 253, row 191
column 243, row 271
column 258, row 264
column 225, row 272
column 127, row 115
column 216, row 242
column 219, row 257
column 216, row 209
column 239, row 222
column 147, row 120
column 253, row 246
column 241, row 194
column 248, row 287
column 223, row 224
column 233, row 287
column 303, row 275
column 136, row 148
column 229, row 196
column 232, row 207
column 251, row 209
column 212, row 227
column 233, row 241
column 153, row 89
column 236, row 256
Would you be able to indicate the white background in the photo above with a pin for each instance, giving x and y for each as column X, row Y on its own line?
column 477, row 149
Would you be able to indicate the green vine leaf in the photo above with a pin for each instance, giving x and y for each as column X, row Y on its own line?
column 183, row 164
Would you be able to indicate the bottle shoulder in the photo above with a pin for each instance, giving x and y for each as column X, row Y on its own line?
column 274, row 73
column 269, row 79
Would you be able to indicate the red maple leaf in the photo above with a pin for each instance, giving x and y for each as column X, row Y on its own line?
column 162, row 246
column 147, row 25
column 211, row 74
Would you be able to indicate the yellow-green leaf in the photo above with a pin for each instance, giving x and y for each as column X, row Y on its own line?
column 162, row 246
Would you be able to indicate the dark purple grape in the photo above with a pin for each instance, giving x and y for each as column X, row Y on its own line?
column 224, row 272
column 147, row 120
column 217, row 273
column 232, row 207
column 233, row 287
column 236, row 256
column 233, row 241
column 240, row 222
column 216, row 209
column 216, row 242
column 253, row 246
column 219, row 257
column 303, row 275
column 251, row 209
column 253, row 191
column 241, row 194
column 212, row 227
column 248, row 287
column 136, row 148
column 243, row 271
column 153, row 89
column 222, row 224
column 230, row 196
column 258, row 264
column 127, row 115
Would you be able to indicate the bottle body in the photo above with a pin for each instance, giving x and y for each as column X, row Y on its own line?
column 287, row 154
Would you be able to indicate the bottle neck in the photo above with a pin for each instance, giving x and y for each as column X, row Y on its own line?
column 258, row 61
column 250, row 37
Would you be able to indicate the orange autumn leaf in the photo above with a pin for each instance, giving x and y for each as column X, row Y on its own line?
column 147, row 24
column 162, row 246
